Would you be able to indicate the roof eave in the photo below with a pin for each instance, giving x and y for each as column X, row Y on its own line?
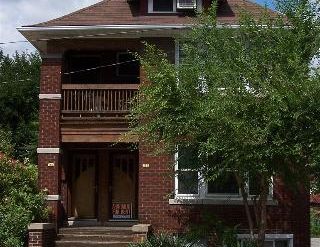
column 39, row 36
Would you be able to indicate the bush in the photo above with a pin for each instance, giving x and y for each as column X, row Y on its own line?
column 212, row 227
column 20, row 201
column 168, row 240
column 315, row 223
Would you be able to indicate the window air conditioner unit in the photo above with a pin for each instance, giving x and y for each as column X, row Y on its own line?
column 186, row 4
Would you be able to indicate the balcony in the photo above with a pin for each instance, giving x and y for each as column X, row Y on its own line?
column 97, row 101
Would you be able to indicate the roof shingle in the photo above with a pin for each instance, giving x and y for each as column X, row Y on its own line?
column 123, row 12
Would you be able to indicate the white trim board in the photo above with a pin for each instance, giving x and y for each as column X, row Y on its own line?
column 53, row 197
column 101, row 27
column 50, row 96
column 49, row 150
column 223, row 200
column 119, row 27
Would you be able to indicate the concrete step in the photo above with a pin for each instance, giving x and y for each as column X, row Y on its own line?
column 95, row 237
column 79, row 243
column 96, row 230
column 94, row 222
column 115, row 236
column 115, row 223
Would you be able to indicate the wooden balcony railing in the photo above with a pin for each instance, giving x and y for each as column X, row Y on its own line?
column 97, row 100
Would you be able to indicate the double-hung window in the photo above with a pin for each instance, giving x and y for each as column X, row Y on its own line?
column 190, row 183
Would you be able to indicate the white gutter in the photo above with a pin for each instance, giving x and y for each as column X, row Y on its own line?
column 99, row 27
column 108, row 27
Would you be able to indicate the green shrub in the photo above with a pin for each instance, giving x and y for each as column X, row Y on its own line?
column 210, row 225
column 315, row 223
column 20, row 201
column 167, row 240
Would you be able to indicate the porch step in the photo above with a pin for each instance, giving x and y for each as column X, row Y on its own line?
column 95, row 223
column 90, row 244
column 94, row 236
column 99, row 230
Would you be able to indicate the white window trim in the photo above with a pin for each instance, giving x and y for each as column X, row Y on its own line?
column 271, row 237
column 203, row 197
column 174, row 10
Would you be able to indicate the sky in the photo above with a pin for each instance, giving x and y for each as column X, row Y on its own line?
column 17, row 13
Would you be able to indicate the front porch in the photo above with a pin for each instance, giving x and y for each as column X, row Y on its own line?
column 99, row 184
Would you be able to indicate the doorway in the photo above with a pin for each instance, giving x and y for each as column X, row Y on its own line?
column 124, row 185
column 84, row 186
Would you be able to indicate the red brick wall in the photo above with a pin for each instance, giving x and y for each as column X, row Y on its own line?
column 50, row 75
column 41, row 238
column 49, row 131
column 48, row 175
column 290, row 216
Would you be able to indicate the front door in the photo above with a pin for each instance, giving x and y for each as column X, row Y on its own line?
column 83, row 192
column 124, row 169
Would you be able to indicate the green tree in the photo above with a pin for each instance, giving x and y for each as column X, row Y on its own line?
column 19, row 90
column 245, row 99
column 20, row 201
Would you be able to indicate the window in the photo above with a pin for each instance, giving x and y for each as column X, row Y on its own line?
column 189, row 182
column 180, row 57
column 272, row 240
column 163, row 5
column 170, row 6
column 226, row 184
column 158, row 6
column 187, row 179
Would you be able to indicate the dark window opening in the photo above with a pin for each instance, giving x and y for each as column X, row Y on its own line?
column 82, row 71
column 225, row 184
column 163, row 5
column 188, row 182
column 254, row 185
column 108, row 67
column 128, row 65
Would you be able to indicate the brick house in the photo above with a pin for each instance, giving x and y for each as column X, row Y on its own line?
column 87, row 79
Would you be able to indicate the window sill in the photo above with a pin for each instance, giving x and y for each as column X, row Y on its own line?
column 163, row 12
column 215, row 201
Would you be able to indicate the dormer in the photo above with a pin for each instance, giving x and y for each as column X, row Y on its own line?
column 173, row 6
